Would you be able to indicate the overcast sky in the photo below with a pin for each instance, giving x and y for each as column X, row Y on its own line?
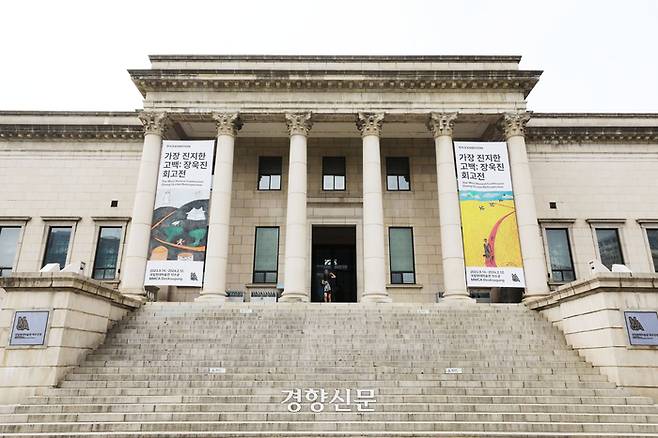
column 73, row 55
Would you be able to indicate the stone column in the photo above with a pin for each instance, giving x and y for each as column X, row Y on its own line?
column 216, row 266
column 296, row 249
column 534, row 262
column 137, row 243
column 450, row 224
column 374, row 264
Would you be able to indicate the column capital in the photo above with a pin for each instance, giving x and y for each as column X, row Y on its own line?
column 441, row 123
column 154, row 122
column 370, row 123
column 513, row 124
column 227, row 123
column 299, row 123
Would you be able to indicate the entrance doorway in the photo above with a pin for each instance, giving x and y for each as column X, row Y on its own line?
column 334, row 248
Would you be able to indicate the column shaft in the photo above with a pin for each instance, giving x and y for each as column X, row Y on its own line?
column 137, row 242
column 217, row 250
column 534, row 260
column 296, row 241
column 374, row 263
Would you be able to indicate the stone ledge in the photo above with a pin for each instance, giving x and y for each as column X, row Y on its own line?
column 67, row 281
column 603, row 282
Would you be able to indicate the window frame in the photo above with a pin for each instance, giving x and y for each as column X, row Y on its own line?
column 109, row 222
column 261, row 174
column 413, row 258
column 57, row 221
column 344, row 174
column 398, row 176
column 21, row 224
column 646, row 225
column 567, row 232
column 253, row 266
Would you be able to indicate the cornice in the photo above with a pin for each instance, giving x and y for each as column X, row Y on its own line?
column 321, row 80
column 340, row 58
column 564, row 135
column 71, row 132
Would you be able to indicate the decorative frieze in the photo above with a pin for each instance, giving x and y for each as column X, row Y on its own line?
column 441, row 123
column 299, row 123
column 370, row 123
column 227, row 123
column 513, row 124
column 154, row 122
column 575, row 135
column 71, row 132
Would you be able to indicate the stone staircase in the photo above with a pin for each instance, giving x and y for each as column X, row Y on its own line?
column 198, row 370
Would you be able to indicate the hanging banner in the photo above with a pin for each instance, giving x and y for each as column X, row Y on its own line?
column 492, row 251
column 180, row 216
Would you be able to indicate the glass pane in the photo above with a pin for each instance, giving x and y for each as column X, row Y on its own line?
column 558, row 249
column 275, row 182
column 264, row 182
column 402, row 250
column 327, row 182
column 107, row 253
column 269, row 165
column 333, row 165
column 396, row 278
column 8, row 245
column 339, row 182
column 270, row 277
column 403, row 183
column 609, row 246
column 392, row 182
column 568, row 276
column 557, row 276
column 267, row 246
column 408, row 278
column 58, row 246
column 397, row 166
column 652, row 235
column 259, row 277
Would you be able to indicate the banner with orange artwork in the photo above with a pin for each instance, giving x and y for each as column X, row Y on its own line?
column 492, row 252
column 179, row 229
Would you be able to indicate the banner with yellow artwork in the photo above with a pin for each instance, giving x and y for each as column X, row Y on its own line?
column 492, row 251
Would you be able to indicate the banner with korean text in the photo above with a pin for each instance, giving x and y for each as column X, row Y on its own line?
column 179, row 228
column 492, row 251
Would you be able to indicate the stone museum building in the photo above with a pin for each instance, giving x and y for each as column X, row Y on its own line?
column 339, row 170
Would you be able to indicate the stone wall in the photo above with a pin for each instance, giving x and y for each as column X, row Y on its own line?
column 81, row 313
column 590, row 313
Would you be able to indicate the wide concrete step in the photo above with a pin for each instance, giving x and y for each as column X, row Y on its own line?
column 316, row 426
column 273, row 404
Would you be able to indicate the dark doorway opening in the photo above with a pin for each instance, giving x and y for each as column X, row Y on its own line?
column 334, row 249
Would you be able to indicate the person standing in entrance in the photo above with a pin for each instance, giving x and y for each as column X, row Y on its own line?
column 328, row 283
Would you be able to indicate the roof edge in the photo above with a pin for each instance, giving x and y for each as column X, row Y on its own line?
column 340, row 58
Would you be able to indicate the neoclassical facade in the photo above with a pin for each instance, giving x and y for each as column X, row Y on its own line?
column 346, row 160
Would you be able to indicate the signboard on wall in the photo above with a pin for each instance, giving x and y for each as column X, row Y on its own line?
column 492, row 252
column 29, row 327
column 642, row 327
column 180, row 216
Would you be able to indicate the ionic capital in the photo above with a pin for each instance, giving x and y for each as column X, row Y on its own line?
column 370, row 123
column 227, row 123
column 441, row 123
column 513, row 124
column 299, row 123
column 154, row 122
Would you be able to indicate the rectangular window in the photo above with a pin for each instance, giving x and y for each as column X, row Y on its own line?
column 559, row 252
column 609, row 246
column 401, row 249
column 8, row 246
column 333, row 173
column 107, row 253
column 269, row 173
column 652, row 235
column 266, row 255
column 57, row 246
column 397, row 174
